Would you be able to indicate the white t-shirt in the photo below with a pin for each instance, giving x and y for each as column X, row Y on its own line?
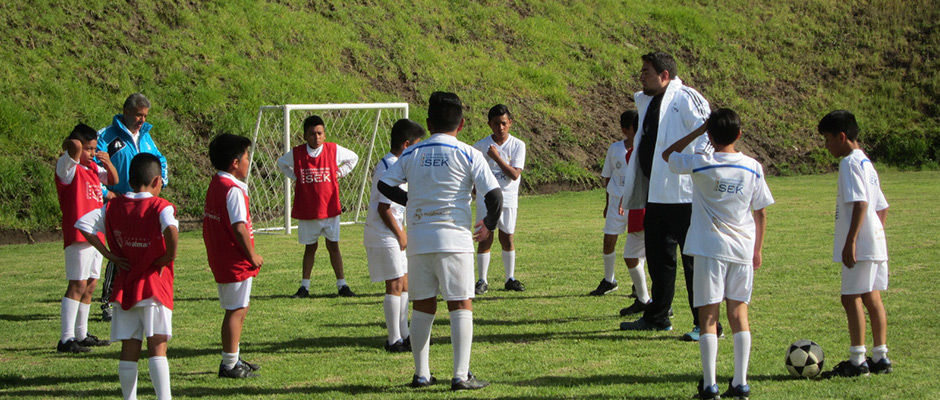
column 65, row 169
column 375, row 233
column 726, row 188
column 346, row 160
column 440, row 172
column 615, row 168
column 235, row 199
column 858, row 181
column 513, row 152
column 93, row 221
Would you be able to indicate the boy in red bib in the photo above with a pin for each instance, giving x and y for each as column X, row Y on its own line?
column 142, row 231
column 230, row 245
column 78, row 183
column 315, row 167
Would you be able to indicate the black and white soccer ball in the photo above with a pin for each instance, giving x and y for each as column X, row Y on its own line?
column 805, row 359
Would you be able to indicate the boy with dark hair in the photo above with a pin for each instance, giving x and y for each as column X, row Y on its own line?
column 859, row 245
column 142, row 232
column 315, row 167
column 385, row 241
column 441, row 173
column 230, row 245
column 78, row 185
column 726, row 236
column 505, row 155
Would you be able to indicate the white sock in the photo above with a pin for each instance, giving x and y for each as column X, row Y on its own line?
column 81, row 321
column 229, row 359
column 160, row 377
column 509, row 264
column 857, row 355
column 483, row 264
column 638, row 275
column 67, row 317
column 420, row 341
column 127, row 373
column 609, row 260
column 305, row 283
column 403, row 315
column 392, row 307
column 742, row 354
column 340, row 283
column 879, row 352
column 461, row 336
column 708, row 346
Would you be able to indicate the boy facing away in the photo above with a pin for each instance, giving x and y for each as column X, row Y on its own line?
column 230, row 245
column 726, row 236
column 505, row 155
column 78, row 184
column 142, row 232
column 441, row 172
column 859, row 245
column 385, row 241
column 315, row 167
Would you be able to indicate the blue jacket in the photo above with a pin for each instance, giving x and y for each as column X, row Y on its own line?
column 116, row 140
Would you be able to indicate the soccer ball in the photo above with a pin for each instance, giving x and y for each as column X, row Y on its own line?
column 804, row 359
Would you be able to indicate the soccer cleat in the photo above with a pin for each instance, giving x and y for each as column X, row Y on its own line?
column 302, row 293
column 345, row 291
column 481, row 287
column 93, row 341
column 740, row 392
column 420, row 381
column 239, row 371
column 691, row 336
column 397, row 347
column 471, row 383
column 407, row 342
column 514, row 285
column 642, row 325
column 634, row 308
column 847, row 369
column 106, row 312
column 709, row 393
column 251, row 366
column 883, row 366
column 603, row 288
column 71, row 346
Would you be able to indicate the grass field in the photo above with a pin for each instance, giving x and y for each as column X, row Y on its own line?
column 551, row 341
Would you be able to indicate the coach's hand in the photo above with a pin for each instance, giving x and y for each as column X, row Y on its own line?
column 481, row 233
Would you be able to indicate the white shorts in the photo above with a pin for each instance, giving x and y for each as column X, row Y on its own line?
column 386, row 263
column 615, row 223
column 147, row 318
column 309, row 230
column 864, row 277
column 82, row 261
column 715, row 280
column 235, row 295
column 448, row 274
column 635, row 245
column 507, row 219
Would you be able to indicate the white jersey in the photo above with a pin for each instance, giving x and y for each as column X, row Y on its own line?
column 513, row 152
column 375, row 233
column 440, row 172
column 727, row 187
column 615, row 168
column 235, row 199
column 858, row 181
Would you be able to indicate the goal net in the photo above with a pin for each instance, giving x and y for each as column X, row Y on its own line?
column 362, row 128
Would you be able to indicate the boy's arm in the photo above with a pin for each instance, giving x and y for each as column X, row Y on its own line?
column 684, row 142
column 512, row 172
column 606, row 196
column 89, row 225
column 858, row 216
column 243, row 240
column 394, row 193
column 286, row 165
column 346, row 161
column 760, row 223
column 104, row 159
column 73, row 147
column 385, row 212
column 171, row 238
column 883, row 216
column 95, row 242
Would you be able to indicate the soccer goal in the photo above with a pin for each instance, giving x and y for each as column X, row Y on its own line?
column 362, row 128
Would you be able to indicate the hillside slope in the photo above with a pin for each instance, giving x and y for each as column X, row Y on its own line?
column 566, row 69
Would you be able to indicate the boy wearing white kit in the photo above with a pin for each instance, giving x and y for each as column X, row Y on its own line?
column 143, row 233
column 385, row 241
column 315, row 168
column 441, row 173
column 505, row 155
column 78, row 185
column 726, row 237
column 859, row 245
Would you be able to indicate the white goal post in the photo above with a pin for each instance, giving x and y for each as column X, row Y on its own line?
column 361, row 127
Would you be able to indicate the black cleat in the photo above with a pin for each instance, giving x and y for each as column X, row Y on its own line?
column 481, row 287
column 93, row 341
column 634, row 308
column 251, row 366
column 642, row 325
column 847, row 369
column 71, row 346
column 345, row 291
column 711, row 393
column 239, row 371
column 471, row 383
column 603, row 288
column 397, row 347
column 740, row 392
column 514, row 285
column 106, row 312
column 883, row 366
column 302, row 293
column 420, row 381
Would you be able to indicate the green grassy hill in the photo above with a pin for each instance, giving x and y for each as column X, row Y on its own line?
column 566, row 69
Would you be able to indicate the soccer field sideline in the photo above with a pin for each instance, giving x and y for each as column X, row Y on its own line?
column 551, row 341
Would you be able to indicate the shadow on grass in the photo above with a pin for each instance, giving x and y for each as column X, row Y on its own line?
column 609, row 379
column 27, row 317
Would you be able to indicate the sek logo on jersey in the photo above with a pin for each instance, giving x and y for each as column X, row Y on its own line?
column 140, row 243
column 434, row 160
column 729, row 186
column 93, row 192
column 314, row 175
